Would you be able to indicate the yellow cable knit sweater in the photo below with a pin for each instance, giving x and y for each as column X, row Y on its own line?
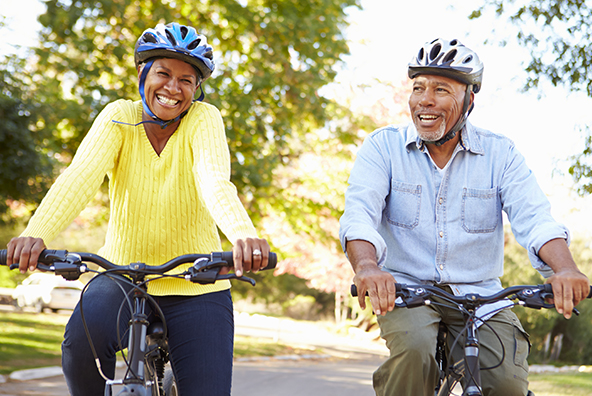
column 161, row 206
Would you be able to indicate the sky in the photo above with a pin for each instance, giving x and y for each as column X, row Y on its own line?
column 385, row 34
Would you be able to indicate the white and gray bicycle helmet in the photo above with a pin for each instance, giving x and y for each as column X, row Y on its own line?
column 450, row 58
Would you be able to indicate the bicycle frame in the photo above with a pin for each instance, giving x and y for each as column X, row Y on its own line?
column 470, row 364
column 135, row 381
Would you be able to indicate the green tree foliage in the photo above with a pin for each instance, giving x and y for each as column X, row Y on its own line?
column 25, row 161
column 544, row 325
column 558, row 34
column 272, row 57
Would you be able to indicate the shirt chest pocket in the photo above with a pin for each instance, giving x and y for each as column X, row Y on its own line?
column 480, row 210
column 403, row 204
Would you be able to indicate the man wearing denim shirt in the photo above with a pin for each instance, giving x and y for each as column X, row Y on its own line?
column 424, row 206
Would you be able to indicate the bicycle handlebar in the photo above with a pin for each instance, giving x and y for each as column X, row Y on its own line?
column 532, row 296
column 205, row 269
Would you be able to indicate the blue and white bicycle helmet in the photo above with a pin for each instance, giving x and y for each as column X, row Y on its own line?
column 179, row 42
column 450, row 58
column 173, row 41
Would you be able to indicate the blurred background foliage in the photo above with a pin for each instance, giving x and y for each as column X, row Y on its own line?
column 291, row 147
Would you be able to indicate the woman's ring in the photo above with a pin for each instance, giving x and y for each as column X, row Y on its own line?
column 256, row 252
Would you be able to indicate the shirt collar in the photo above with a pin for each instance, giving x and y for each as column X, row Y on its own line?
column 469, row 140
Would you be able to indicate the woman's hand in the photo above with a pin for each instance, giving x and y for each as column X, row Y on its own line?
column 250, row 254
column 25, row 251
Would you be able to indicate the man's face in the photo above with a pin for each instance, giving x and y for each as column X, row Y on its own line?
column 169, row 87
column 436, row 103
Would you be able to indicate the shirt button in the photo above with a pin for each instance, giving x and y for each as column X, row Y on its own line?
column 440, row 201
column 441, row 267
column 441, row 234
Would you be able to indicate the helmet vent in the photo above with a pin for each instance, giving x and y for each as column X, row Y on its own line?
column 420, row 55
column 184, row 32
column 454, row 42
column 450, row 56
column 468, row 59
column 193, row 45
column 150, row 38
column 435, row 51
column 171, row 38
column 209, row 54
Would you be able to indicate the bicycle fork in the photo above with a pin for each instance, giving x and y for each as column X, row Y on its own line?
column 134, row 378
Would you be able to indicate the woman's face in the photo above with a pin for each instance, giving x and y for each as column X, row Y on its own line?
column 169, row 87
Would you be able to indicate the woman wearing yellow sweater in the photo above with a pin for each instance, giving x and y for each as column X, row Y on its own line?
column 168, row 166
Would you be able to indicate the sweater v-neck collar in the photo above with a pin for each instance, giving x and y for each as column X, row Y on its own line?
column 148, row 143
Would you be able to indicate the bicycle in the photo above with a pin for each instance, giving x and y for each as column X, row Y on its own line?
column 466, row 371
column 147, row 356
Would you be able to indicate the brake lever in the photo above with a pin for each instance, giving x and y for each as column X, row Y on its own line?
column 61, row 263
column 537, row 299
column 412, row 298
column 212, row 275
column 206, row 271
column 236, row 277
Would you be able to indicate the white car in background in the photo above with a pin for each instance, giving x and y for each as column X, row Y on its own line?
column 46, row 290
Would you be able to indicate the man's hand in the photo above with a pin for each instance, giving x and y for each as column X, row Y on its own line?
column 25, row 251
column 570, row 286
column 380, row 286
column 369, row 278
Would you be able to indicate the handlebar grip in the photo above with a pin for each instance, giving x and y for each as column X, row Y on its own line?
column 3, row 257
column 354, row 289
column 549, row 289
column 271, row 260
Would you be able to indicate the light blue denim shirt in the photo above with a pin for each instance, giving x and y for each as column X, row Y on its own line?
column 445, row 226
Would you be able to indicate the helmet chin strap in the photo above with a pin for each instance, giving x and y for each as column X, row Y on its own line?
column 462, row 120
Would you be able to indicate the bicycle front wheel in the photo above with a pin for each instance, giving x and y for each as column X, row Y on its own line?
column 170, row 385
column 451, row 385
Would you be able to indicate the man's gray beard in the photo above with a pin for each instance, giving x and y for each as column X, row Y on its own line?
column 431, row 137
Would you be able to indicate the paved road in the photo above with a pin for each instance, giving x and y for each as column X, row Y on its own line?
column 343, row 377
column 323, row 377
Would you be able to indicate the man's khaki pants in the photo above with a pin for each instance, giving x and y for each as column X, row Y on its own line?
column 411, row 369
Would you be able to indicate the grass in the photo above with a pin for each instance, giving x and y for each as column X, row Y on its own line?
column 249, row 347
column 561, row 384
column 30, row 340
